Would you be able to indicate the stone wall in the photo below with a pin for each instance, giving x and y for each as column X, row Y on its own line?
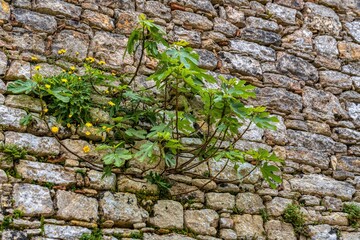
column 303, row 56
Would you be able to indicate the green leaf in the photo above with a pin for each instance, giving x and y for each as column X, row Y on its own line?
column 20, row 86
column 26, row 120
column 269, row 175
column 62, row 94
column 117, row 158
column 136, row 133
column 146, row 151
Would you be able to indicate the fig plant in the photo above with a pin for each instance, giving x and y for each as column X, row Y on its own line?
column 182, row 118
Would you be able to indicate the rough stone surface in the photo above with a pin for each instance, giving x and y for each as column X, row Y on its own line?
column 260, row 36
column 283, row 14
column 277, row 230
column 41, row 146
column 277, row 206
column 192, row 20
column 35, row 21
column 10, row 118
column 18, row 70
column 249, row 226
column 202, row 221
column 219, row 201
column 98, row 181
column 254, row 50
column 326, row 45
column 33, row 200
column 296, row 67
column 45, row 172
column 64, row 232
column 353, row 29
column 242, row 64
column 76, row 206
column 168, row 214
column 323, row 186
column 249, row 203
column 58, row 7
column 122, row 208
column 75, row 43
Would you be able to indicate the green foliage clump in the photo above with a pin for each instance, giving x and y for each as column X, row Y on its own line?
column 151, row 124
column 293, row 215
column 12, row 152
column 264, row 214
column 96, row 234
column 353, row 211
column 163, row 184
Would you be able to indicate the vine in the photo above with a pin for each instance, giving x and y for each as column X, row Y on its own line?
column 154, row 124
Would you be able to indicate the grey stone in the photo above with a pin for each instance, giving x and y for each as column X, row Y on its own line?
column 260, row 36
column 353, row 28
column 18, row 70
column 322, row 232
column 110, row 47
column 283, row 14
column 203, row 221
column 157, row 9
column 75, row 43
column 171, row 236
column 3, row 65
column 3, row 177
column 64, row 232
column 247, row 169
column 349, row 163
column 350, row 235
column 326, row 45
column 278, row 136
column 77, row 147
column 28, row 41
column 278, row 99
column 98, row 20
column 227, row 234
column 332, row 204
column 76, row 206
column 254, row 50
column 314, row 141
column 235, row 16
column 100, row 182
column 127, row 184
column 220, row 201
column 13, row 235
column 22, row 3
column 204, row 6
column 184, row 192
column 277, row 206
column 350, row 96
column 192, row 37
column 277, row 230
column 10, row 118
column 349, row 51
column 323, row 186
column 253, row 22
column 241, row 64
column 297, row 68
column 249, row 203
column 126, row 22
column 24, row 102
column 322, row 105
column 41, row 146
column 168, row 214
column 45, row 172
column 351, row 68
column 192, row 20
column 207, row 59
column 46, row 70
column 58, row 7
column 310, row 157
column 300, row 40
column 335, row 79
column 309, row 200
column 277, row 80
column 322, row 19
column 32, row 200
column 4, row 11
column 225, row 27
column 347, row 136
column 249, row 226
column 35, row 21
column 297, row 4
column 122, row 208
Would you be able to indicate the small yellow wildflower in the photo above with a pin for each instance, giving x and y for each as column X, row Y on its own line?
column 87, row 133
column 102, row 62
column 54, row 129
column 111, row 103
column 108, row 130
column 77, row 53
column 70, row 72
column 72, row 68
column 46, row 110
column 64, row 80
column 113, row 74
column 70, row 115
column 62, row 51
column 68, row 125
column 107, row 91
column 103, row 127
column 64, row 70
column 37, row 68
column 86, row 149
column 90, row 59
column 33, row 58
column 88, row 124
column 47, row 86
column 79, row 78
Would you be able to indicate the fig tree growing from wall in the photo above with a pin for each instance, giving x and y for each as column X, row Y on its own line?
column 185, row 117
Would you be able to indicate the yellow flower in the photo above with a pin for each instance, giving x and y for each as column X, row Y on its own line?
column 102, row 62
column 103, row 127
column 70, row 115
column 64, row 80
column 33, row 58
column 68, row 125
column 62, row 51
column 70, row 72
column 88, row 124
column 46, row 110
column 113, row 74
column 108, row 130
column 37, row 68
column 54, row 129
column 87, row 133
column 72, row 68
column 77, row 53
column 47, row 86
column 107, row 91
column 90, row 59
column 86, row 149
column 111, row 103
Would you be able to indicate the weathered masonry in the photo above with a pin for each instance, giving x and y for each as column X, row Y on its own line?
column 304, row 57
